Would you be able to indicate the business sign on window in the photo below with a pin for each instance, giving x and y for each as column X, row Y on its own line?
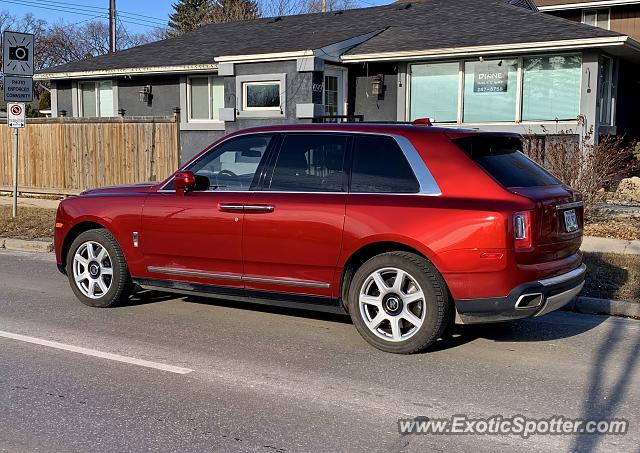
column 491, row 77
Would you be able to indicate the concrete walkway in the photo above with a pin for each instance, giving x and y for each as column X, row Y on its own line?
column 30, row 202
column 607, row 245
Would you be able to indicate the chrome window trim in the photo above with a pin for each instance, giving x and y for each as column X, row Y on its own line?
column 428, row 185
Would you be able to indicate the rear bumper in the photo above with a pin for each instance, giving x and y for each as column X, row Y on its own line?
column 529, row 299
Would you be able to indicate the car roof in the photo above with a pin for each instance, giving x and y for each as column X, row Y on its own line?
column 370, row 127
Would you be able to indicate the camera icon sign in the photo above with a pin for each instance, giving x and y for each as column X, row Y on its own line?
column 18, row 53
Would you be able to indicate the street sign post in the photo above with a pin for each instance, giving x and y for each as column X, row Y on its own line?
column 18, row 89
column 17, row 66
column 16, row 120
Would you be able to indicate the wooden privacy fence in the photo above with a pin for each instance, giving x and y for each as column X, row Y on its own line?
column 69, row 155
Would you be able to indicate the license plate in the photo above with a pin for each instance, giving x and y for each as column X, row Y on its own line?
column 570, row 220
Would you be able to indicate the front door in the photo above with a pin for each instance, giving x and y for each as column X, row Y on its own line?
column 197, row 237
column 293, row 226
column 333, row 92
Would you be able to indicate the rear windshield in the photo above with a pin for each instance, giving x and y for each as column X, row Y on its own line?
column 503, row 159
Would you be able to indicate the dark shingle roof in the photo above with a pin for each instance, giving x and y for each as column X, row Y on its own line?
column 422, row 25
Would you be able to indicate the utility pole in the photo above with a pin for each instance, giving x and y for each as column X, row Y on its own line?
column 112, row 25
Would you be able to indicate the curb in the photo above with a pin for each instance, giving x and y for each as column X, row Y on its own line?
column 21, row 245
column 594, row 306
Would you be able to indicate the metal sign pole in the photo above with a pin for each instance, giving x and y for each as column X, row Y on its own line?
column 15, row 171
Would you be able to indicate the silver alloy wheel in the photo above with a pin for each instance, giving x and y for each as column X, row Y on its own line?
column 392, row 304
column 92, row 270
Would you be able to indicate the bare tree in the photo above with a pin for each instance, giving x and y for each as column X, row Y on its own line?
column 315, row 6
column 276, row 8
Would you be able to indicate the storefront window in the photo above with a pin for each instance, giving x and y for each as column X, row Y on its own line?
column 434, row 91
column 551, row 87
column 490, row 90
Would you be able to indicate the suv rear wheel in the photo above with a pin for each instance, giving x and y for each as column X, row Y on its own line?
column 399, row 302
column 97, row 270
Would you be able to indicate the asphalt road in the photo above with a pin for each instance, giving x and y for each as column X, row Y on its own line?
column 270, row 380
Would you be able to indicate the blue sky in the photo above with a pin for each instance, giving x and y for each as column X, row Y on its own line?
column 136, row 15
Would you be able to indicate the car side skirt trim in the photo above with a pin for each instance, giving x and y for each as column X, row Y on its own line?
column 281, row 299
column 237, row 277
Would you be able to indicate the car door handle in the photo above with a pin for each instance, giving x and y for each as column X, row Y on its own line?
column 259, row 208
column 230, row 207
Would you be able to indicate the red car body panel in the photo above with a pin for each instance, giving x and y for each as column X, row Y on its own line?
column 303, row 245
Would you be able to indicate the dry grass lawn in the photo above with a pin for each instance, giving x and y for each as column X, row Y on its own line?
column 31, row 223
column 628, row 229
column 612, row 276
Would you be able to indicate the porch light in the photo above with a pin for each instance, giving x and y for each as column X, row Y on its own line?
column 377, row 85
column 145, row 94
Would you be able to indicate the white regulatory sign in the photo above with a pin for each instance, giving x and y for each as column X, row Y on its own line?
column 17, row 54
column 15, row 112
column 18, row 89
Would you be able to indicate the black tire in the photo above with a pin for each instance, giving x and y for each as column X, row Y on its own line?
column 120, row 285
column 437, row 302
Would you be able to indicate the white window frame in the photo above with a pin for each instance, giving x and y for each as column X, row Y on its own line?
column 595, row 10
column 260, row 112
column 96, row 90
column 209, row 101
column 245, row 86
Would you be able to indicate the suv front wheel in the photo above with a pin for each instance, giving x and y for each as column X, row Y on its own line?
column 399, row 302
column 97, row 270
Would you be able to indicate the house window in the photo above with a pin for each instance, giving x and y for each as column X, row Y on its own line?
column 435, row 91
column 597, row 17
column 263, row 95
column 537, row 88
column 96, row 99
column 551, row 87
column 206, row 98
column 605, row 95
column 330, row 95
column 490, row 88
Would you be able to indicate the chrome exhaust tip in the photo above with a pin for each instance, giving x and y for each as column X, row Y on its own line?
column 527, row 301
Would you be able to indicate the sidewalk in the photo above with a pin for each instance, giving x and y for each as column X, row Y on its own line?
column 606, row 245
column 30, row 202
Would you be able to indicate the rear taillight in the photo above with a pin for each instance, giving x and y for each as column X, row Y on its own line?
column 522, row 230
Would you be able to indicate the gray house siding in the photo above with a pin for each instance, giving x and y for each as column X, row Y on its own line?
column 373, row 107
column 297, row 91
column 192, row 142
column 165, row 95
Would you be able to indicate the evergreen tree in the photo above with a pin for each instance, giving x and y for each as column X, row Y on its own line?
column 188, row 15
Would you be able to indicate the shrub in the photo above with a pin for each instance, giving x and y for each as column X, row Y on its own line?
column 591, row 169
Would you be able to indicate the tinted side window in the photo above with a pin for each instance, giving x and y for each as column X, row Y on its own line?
column 379, row 166
column 503, row 159
column 233, row 164
column 311, row 163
